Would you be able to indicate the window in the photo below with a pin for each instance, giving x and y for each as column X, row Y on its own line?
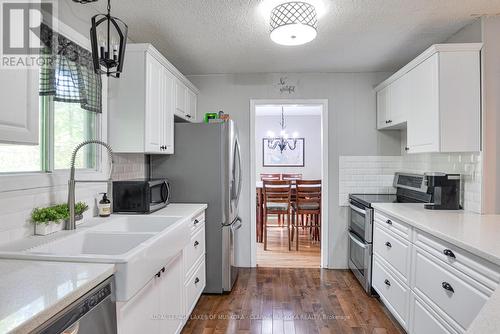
column 70, row 108
column 62, row 126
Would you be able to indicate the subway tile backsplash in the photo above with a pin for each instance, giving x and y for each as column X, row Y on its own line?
column 374, row 174
column 16, row 206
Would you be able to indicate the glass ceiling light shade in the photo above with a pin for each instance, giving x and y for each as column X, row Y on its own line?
column 293, row 23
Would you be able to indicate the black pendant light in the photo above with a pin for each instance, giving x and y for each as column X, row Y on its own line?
column 108, row 37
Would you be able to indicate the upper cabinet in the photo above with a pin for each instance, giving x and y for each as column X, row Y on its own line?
column 185, row 101
column 19, row 119
column 143, row 102
column 437, row 98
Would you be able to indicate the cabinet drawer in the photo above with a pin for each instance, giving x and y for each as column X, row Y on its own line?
column 452, row 292
column 194, row 286
column 393, row 224
column 197, row 221
column 483, row 271
column 393, row 249
column 425, row 320
column 194, row 250
column 393, row 293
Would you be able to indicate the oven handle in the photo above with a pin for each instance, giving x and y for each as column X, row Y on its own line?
column 358, row 241
column 358, row 210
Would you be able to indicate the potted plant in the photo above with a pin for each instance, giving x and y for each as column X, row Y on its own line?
column 46, row 220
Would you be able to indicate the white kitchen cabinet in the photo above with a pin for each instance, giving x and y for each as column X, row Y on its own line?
column 138, row 314
column 446, row 286
column 143, row 102
column 437, row 97
column 170, row 293
column 185, row 102
column 19, row 118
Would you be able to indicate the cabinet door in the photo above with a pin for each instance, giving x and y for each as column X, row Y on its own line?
column 171, row 295
column 423, row 121
column 154, row 105
column 19, row 118
column 400, row 100
column 140, row 314
column 169, row 110
column 180, row 97
column 383, row 107
column 191, row 101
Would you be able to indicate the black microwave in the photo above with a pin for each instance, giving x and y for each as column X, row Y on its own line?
column 140, row 195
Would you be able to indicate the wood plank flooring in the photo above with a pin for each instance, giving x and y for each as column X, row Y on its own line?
column 278, row 255
column 288, row 301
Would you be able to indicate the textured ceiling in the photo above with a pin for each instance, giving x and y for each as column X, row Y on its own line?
column 231, row 36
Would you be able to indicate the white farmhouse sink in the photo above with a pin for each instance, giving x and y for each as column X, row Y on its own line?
column 137, row 224
column 139, row 246
column 89, row 243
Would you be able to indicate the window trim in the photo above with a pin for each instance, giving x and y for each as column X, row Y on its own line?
column 32, row 180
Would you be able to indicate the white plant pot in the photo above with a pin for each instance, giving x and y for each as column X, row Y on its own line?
column 51, row 227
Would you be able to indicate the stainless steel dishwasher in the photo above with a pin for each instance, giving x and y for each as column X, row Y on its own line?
column 94, row 313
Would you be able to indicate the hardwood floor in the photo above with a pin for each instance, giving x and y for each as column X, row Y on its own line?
column 287, row 301
column 278, row 255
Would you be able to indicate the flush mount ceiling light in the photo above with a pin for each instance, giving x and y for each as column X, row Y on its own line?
column 293, row 23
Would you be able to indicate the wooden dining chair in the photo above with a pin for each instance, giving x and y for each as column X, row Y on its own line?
column 276, row 201
column 308, row 202
column 270, row 176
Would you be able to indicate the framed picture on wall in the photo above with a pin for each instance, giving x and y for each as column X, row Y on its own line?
column 288, row 158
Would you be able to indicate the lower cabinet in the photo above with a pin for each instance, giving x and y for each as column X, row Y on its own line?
column 393, row 292
column 446, row 288
column 165, row 303
column 156, row 308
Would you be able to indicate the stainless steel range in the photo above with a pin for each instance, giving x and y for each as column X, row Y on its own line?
column 410, row 188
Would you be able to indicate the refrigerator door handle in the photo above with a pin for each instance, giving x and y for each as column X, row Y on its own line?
column 240, row 178
column 237, row 224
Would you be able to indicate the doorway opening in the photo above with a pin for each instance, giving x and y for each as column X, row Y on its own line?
column 289, row 178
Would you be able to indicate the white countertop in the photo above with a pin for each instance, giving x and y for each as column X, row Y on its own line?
column 478, row 234
column 488, row 320
column 188, row 210
column 31, row 292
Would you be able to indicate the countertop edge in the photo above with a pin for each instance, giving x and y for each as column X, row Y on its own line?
column 39, row 319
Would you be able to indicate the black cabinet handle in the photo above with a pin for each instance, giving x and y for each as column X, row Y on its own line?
column 407, row 148
column 158, row 274
column 386, row 122
column 196, row 280
column 447, row 286
column 387, row 282
column 196, row 243
column 163, row 269
column 449, row 253
column 388, row 244
column 388, row 221
column 188, row 116
column 196, row 221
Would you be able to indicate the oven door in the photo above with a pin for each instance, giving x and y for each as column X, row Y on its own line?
column 360, row 260
column 361, row 221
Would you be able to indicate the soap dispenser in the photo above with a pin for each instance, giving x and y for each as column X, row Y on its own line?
column 104, row 206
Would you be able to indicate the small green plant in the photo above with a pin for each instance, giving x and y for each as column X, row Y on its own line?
column 56, row 213
column 46, row 215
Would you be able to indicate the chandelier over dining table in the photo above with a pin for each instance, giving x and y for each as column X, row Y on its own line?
column 283, row 141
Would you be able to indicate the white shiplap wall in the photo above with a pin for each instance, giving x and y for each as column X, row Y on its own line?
column 374, row 174
column 16, row 206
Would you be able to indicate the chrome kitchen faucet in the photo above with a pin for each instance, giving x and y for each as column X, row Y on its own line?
column 71, row 223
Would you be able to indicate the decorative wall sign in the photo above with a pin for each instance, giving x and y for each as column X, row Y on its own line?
column 285, row 87
column 287, row 158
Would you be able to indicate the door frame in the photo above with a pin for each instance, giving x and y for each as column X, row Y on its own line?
column 324, row 173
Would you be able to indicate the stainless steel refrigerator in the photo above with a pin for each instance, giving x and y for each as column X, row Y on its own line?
column 206, row 168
